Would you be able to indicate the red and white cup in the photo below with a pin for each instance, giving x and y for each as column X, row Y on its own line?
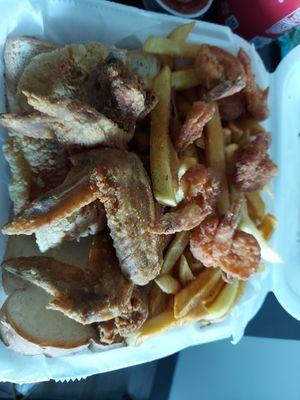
column 260, row 21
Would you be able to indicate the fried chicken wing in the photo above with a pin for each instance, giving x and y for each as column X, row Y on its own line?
column 97, row 294
column 119, row 93
column 67, row 212
column 76, row 122
column 131, row 319
column 119, row 181
column 124, row 190
column 35, row 125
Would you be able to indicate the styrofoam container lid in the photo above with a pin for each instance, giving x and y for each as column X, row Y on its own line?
column 75, row 21
column 285, row 127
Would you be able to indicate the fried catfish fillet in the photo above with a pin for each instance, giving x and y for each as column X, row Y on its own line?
column 35, row 125
column 97, row 294
column 105, row 112
column 76, row 122
column 119, row 181
column 89, row 101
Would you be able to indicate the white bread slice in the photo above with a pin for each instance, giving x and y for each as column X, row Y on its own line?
column 12, row 282
column 143, row 64
column 35, row 164
column 18, row 52
column 29, row 328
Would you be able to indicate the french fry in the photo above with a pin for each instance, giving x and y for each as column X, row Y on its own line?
column 162, row 152
column 157, row 300
column 185, row 163
column 214, row 292
column 154, row 326
column 185, row 273
column 268, row 226
column 174, row 251
column 227, row 136
column 181, row 33
column 168, row 284
column 184, row 79
column 230, row 155
column 249, row 124
column 223, row 303
column 236, row 132
column 164, row 322
column 244, row 140
column 195, row 291
column 195, row 314
column 195, row 265
column 169, row 47
column 215, row 155
column 182, row 106
column 248, row 226
column 240, row 291
column 256, row 204
column 190, row 151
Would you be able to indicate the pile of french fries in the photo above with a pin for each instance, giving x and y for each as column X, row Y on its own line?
column 186, row 291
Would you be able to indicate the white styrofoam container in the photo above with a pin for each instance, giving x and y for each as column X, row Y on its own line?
column 75, row 21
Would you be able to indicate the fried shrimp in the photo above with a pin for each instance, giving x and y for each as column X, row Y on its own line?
column 254, row 168
column 218, row 244
column 256, row 98
column 232, row 107
column 201, row 188
column 219, row 72
column 192, row 128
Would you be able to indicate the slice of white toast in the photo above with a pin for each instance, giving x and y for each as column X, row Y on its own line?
column 18, row 52
column 35, row 164
column 27, row 327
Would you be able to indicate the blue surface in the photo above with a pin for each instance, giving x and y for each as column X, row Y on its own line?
column 254, row 369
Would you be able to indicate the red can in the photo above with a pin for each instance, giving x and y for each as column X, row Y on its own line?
column 260, row 21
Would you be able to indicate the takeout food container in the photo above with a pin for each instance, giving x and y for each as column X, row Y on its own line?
column 67, row 21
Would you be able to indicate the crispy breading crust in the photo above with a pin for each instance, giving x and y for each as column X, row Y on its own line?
column 118, row 179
